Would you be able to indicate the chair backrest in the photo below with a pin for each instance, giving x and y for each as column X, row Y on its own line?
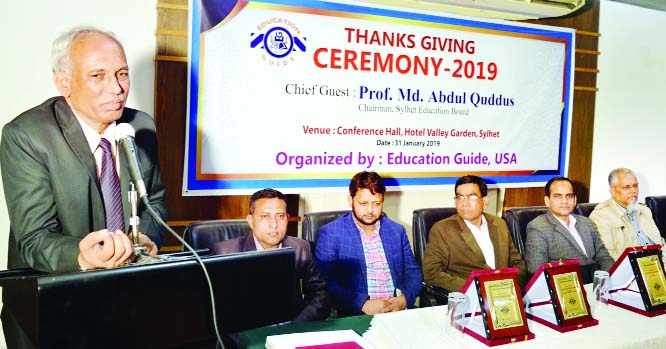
column 586, row 208
column 657, row 205
column 422, row 220
column 206, row 234
column 314, row 220
column 517, row 219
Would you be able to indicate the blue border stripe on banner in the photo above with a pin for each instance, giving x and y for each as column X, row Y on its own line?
column 199, row 185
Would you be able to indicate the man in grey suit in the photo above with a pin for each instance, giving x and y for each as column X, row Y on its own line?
column 51, row 158
column 268, row 220
column 561, row 235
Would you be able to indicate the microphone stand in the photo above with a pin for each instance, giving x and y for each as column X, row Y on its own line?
column 141, row 255
column 134, row 222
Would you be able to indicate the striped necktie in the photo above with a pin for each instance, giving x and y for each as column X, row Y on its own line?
column 108, row 180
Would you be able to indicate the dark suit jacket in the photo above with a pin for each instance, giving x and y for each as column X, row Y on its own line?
column 548, row 241
column 313, row 300
column 452, row 252
column 341, row 260
column 52, row 190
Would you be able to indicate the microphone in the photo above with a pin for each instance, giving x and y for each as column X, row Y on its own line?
column 124, row 135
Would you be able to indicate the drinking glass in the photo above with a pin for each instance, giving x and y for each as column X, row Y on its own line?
column 601, row 290
column 456, row 314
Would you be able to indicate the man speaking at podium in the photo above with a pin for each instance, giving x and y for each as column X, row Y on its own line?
column 64, row 181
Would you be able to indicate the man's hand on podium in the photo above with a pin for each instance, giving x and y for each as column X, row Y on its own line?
column 145, row 241
column 103, row 249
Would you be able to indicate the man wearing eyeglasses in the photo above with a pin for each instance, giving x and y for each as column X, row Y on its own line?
column 469, row 240
column 561, row 235
column 268, row 220
column 621, row 221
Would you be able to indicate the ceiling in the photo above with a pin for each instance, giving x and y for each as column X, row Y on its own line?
column 659, row 5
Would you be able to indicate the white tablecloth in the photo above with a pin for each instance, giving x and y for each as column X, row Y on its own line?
column 426, row 328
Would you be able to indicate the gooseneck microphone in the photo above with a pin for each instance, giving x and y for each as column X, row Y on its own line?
column 124, row 135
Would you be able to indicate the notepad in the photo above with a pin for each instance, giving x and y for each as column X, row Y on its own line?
column 344, row 339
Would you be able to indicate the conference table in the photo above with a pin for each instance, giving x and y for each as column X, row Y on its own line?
column 426, row 328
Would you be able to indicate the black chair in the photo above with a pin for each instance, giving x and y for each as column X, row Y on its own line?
column 517, row 219
column 204, row 235
column 314, row 220
column 657, row 205
column 422, row 220
column 586, row 208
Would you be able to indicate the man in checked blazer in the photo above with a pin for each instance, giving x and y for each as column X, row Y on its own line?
column 365, row 257
column 561, row 235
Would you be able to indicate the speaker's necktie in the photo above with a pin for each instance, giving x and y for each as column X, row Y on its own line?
column 113, row 199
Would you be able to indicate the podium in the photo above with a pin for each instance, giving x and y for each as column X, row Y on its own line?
column 160, row 305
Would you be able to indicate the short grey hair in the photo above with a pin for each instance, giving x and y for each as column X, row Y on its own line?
column 612, row 176
column 62, row 44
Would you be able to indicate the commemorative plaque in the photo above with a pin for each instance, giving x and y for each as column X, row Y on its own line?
column 638, row 281
column 555, row 297
column 495, row 313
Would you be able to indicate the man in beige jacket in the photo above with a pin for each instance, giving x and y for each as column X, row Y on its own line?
column 621, row 221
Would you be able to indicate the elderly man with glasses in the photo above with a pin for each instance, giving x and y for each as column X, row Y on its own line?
column 560, row 235
column 468, row 241
column 621, row 221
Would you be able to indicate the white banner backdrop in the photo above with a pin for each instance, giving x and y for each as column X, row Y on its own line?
column 300, row 95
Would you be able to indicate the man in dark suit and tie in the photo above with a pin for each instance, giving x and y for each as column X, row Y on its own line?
column 561, row 235
column 268, row 220
column 54, row 157
column 365, row 257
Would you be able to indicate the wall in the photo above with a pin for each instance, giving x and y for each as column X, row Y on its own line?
column 630, row 119
column 30, row 26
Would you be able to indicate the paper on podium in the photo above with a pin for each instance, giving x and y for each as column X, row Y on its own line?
column 344, row 339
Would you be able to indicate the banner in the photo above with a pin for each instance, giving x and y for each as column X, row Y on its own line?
column 300, row 95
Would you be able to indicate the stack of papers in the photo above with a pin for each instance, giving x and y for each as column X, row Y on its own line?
column 411, row 329
column 346, row 339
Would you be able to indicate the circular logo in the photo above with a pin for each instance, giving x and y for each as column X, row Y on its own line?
column 278, row 42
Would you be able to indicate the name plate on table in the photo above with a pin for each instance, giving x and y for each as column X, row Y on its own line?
column 555, row 297
column 494, row 312
column 638, row 281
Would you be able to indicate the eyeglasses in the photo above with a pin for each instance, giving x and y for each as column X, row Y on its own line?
column 265, row 217
column 558, row 196
column 471, row 197
column 629, row 187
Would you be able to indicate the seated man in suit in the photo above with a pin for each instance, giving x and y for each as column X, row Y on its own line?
column 621, row 221
column 268, row 220
column 469, row 240
column 559, row 234
column 365, row 257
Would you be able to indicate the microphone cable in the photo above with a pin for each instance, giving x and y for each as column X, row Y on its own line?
column 159, row 219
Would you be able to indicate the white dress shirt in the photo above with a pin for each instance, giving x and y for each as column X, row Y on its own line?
column 482, row 237
column 572, row 230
